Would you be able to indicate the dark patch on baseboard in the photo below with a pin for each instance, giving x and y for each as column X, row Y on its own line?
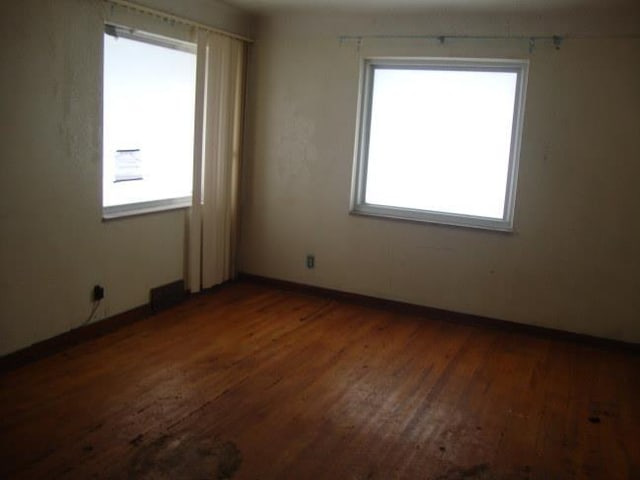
column 188, row 457
column 166, row 296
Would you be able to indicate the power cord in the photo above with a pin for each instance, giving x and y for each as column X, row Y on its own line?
column 93, row 312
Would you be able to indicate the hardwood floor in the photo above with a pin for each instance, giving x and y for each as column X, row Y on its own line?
column 254, row 382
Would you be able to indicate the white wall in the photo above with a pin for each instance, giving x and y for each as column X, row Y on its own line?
column 53, row 245
column 573, row 262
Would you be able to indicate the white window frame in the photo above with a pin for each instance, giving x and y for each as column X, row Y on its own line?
column 358, row 190
column 162, row 204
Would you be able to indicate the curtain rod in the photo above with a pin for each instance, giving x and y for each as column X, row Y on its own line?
column 532, row 39
column 556, row 39
column 631, row 36
column 175, row 18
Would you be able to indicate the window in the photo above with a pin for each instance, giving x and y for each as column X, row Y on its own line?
column 148, row 122
column 438, row 140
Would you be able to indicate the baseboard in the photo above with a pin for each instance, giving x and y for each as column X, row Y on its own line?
column 84, row 333
column 441, row 314
column 61, row 342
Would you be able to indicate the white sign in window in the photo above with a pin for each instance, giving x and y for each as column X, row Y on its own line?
column 439, row 140
column 128, row 165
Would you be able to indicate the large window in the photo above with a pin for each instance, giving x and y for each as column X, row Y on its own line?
column 148, row 122
column 438, row 140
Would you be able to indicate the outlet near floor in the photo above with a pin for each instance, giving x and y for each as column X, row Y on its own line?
column 311, row 261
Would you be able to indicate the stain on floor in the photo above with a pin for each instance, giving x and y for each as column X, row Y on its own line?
column 484, row 471
column 604, row 409
column 185, row 457
column 229, row 460
column 475, row 472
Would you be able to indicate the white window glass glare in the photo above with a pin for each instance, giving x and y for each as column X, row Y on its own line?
column 439, row 140
column 149, row 105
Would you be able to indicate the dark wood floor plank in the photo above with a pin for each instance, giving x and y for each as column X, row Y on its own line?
column 256, row 382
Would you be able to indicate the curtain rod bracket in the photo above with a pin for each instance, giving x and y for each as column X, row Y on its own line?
column 557, row 41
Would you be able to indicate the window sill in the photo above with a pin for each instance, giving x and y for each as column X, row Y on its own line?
column 143, row 208
column 436, row 218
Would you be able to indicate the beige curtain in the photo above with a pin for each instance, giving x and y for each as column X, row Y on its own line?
column 212, row 220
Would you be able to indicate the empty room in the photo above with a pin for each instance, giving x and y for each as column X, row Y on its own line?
column 300, row 239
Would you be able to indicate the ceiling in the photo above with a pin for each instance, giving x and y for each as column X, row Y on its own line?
column 398, row 6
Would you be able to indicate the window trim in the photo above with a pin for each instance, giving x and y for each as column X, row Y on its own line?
column 124, row 210
column 142, row 208
column 358, row 206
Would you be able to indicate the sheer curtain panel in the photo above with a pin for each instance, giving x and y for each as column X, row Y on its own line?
column 212, row 221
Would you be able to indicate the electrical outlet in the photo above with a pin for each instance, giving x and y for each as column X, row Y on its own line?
column 311, row 261
column 98, row 293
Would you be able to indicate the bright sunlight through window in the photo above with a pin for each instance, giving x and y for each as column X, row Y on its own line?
column 439, row 140
column 149, row 105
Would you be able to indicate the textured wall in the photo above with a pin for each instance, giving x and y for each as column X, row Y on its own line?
column 572, row 262
column 53, row 245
